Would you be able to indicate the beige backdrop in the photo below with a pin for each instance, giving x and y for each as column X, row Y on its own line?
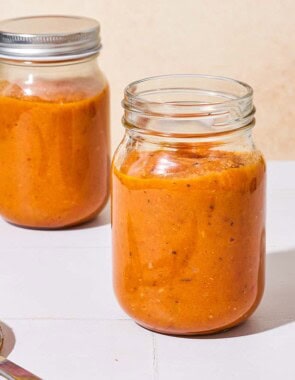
column 251, row 40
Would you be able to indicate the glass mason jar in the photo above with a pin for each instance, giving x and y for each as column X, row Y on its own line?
column 54, row 118
column 188, row 205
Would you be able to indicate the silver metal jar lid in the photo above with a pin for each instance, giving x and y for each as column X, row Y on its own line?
column 49, row 38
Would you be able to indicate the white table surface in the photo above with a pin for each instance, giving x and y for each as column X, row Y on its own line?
column 62, row 322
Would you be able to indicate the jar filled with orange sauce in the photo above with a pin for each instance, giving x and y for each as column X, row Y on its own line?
column 54, row 122
column 188, row 205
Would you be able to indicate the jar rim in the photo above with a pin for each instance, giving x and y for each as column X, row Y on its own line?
column 220, row 103
column 49, row 38
column 129, row 90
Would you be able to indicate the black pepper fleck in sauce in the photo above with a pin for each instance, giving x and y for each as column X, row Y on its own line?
column 211, row 207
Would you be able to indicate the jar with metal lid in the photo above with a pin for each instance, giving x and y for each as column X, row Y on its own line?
column 188, row 205
column 54, row 118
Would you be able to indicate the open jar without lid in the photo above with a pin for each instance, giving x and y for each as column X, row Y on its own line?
column 188, row 205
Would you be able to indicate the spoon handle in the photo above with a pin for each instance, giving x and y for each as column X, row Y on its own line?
column 12, row 371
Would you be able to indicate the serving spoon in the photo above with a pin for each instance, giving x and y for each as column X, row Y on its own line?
column 11, row 371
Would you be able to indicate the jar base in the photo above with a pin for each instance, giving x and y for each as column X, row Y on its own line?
column 79, row 222
column 46, row 228
column 205, row 333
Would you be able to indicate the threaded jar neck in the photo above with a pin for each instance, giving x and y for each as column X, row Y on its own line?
column 188, row 105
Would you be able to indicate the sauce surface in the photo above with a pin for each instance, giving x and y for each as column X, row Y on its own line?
column 189, row 238
column 54, row 143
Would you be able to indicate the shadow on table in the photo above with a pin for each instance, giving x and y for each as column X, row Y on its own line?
column 8, row 340
column 278, row 305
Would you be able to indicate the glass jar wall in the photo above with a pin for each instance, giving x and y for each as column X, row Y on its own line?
column 54, row 117
column 188, row 205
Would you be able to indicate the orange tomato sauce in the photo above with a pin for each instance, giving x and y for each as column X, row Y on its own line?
column 189, row 238
column 54, row 146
